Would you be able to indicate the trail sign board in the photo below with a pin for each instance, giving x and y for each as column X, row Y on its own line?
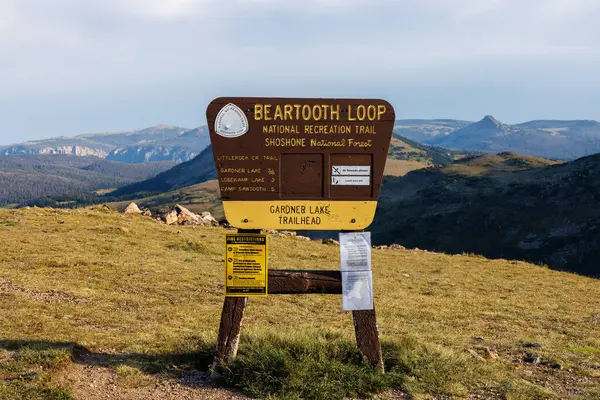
column 301, row 164
column 246, row 265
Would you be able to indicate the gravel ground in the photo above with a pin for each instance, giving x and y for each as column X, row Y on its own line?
column 98, row 383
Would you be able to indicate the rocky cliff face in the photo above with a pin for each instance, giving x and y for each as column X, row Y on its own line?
column 74, row 150
column 159, row 143
column 151, row 153
column 52, row 150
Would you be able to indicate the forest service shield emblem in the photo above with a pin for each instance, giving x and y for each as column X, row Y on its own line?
column 231, row 122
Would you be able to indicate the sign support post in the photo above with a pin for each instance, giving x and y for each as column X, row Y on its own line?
column 230, row 328
column 297, row 282
column 367, row 337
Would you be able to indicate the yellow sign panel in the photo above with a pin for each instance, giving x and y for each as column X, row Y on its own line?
column 301, row 214
column 246, row 265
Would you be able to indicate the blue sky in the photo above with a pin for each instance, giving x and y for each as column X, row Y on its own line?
column 73, row 66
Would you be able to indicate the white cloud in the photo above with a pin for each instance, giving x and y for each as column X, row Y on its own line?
column 8, row 15
column 569, row 9
column 170, row 10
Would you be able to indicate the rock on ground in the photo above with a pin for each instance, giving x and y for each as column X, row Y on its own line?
column 133, row 209
column 209, row 219
column 180, row 215
column 186, row 217
column 171, row 218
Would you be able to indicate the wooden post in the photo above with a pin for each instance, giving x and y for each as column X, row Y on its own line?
column 367, row 337
column 230, row 329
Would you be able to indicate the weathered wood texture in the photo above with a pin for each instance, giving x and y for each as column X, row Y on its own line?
column 367, row 337
column 304, row 282
column 230, row 328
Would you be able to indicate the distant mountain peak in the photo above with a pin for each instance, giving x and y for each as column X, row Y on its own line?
column 490, row 121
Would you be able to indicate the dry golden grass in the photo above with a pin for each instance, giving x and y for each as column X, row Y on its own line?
column 407, row 148
column 497, row 163
column 402, row 167
column 120, row 283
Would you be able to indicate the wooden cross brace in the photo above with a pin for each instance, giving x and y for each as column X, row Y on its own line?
column 298, row 282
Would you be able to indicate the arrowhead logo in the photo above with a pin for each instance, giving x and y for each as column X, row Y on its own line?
column 231, row 122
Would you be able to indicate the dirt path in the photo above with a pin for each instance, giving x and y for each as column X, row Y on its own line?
column 99, row 383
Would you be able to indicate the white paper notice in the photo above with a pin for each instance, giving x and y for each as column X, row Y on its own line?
column 355, row 251
column 357, row 279
column 357, row 290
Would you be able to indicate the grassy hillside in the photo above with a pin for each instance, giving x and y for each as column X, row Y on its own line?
column 197, row 198
column 26, row 178
column 495, row 164
column 508, row 205
column 102, row 305
column 404, row 149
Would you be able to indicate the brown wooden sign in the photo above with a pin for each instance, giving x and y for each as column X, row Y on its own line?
column 312, row 164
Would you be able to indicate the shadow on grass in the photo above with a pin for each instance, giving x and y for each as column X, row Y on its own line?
column 318, row 366
column 198, row 360
column 27, row 372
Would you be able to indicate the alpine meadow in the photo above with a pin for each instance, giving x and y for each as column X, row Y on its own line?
column 299, row 200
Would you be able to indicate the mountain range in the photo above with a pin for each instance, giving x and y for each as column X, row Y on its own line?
column 561, row 140
column 158, row 143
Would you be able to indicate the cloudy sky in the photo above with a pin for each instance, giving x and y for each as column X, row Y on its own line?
column 73, row 66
